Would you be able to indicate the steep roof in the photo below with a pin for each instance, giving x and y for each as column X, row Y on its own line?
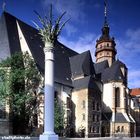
column 101, row 66
column 119, row 117
column 114, row 72
column 82, row 64
column 106, row 116
column 87, row 82
column 62, row 53
column 9, row 41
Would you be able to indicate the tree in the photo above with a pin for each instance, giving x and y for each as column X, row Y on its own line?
column 19, row 81
column 59, row 117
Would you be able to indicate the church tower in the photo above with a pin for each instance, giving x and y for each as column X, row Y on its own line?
column 105, row 45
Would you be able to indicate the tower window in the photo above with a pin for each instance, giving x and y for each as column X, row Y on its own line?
column 107, row 53
column 117, row 97
column 107, row 45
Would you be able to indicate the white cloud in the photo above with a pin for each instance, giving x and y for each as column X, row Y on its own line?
column 133, row 34
column 84, row 43
column 74, row 8
column 134, row 78
column 70, row 29
column 129, row 52
column 130, row 45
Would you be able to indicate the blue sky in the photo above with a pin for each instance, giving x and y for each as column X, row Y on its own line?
column 84, row 28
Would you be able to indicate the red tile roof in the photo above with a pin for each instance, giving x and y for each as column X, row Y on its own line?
column 135, row 91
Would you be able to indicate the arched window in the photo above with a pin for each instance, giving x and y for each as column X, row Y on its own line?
column 100, row 54
column 98, row 107
column 93, row 105
column 56, row 95
column 98, row 118
column 68, row 102
column 122, row 129
column 118, row 129
column 117, row 97
column 94, row 118
column 83, row 117
column 83, row 104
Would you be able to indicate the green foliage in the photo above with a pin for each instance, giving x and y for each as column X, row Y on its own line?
column 50, row 29
column 58, row 117
column 19, row 77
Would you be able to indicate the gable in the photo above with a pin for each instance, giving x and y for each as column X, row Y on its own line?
column 82, row 65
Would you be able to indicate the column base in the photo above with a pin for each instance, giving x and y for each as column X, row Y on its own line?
column 48, row 137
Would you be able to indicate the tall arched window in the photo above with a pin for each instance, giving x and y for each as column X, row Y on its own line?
column 83, row 104
column 117, row 97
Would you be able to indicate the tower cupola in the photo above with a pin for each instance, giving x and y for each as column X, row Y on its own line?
column 105, row 45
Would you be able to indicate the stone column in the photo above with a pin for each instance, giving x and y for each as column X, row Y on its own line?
column 49, row 133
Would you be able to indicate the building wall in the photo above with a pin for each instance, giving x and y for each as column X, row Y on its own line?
column 5, row 128
column 62, row 95
column 108, row 92
column 94, row 113
column 80, row 111
column 110, row 104
column 105, row 52
column 123, row 129
column 87, row 112
column 135, row 111
column 109, row 97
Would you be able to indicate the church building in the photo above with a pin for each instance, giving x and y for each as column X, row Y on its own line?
column 96, row 94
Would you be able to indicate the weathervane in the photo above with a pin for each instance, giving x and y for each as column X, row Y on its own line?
column 3, row 5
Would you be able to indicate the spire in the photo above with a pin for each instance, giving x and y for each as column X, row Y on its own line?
column 105, row 29
column 3, row 5
column 105, row 45
column 105, row 13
